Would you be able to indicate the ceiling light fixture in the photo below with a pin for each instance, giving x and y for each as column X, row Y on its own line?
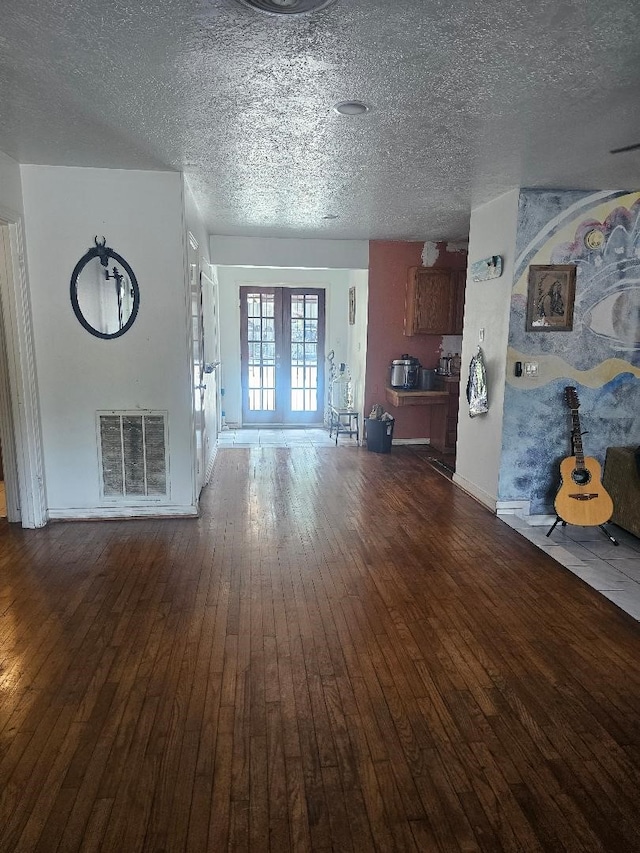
column 287, row 7
column 351, row 108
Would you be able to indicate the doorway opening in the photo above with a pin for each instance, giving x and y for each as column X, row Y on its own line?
column 282, row 344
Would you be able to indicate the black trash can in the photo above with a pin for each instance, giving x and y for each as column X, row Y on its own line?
column 379, row 435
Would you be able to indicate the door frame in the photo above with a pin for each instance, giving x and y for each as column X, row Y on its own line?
column 197, row 364
column 212, row 340
column 20, row 424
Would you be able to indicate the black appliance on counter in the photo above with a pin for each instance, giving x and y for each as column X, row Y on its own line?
column 404, row 373
column 428, row 379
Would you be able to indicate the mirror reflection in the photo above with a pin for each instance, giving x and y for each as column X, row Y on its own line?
column 104, row 292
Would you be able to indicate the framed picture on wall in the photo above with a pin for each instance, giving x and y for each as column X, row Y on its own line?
column 352, row 306
column 550, row 297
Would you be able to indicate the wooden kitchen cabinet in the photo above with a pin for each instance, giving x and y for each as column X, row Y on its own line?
column 458, row 283
column 450, row 384
column 434, row 301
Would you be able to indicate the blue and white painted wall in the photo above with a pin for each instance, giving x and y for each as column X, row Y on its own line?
column 600, row 356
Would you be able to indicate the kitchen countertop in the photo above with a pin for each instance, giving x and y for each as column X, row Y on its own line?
column 397, row 397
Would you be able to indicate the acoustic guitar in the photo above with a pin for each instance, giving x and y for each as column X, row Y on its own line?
column 581, row 499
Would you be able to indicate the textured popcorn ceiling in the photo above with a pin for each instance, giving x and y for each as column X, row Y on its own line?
column 467, row 100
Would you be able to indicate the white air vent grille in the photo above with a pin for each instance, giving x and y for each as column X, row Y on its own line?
column 133, row 454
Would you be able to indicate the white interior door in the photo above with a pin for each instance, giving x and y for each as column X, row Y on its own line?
column 197, row 348
column 213, row 367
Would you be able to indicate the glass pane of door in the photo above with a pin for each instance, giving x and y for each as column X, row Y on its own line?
column 304, row 352
column 261, row 339
column 260, row 333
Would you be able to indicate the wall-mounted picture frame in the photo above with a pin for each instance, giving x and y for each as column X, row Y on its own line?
column 550, row 297
column 352, row 306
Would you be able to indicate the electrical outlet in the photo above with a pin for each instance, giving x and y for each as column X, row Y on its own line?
column 531, row 368
column 481, row 335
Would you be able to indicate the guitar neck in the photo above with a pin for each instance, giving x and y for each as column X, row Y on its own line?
column 576, row 438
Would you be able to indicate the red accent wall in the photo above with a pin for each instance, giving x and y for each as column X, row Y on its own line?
column 389, row 263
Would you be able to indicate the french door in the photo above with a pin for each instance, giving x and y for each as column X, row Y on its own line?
column 282, row 352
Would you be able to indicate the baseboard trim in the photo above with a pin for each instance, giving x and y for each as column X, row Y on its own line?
column 487, row 500
column 521, row 508
column 411, row 441
column 120, row 512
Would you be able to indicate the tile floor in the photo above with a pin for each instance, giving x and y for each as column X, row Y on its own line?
column 317, row 437
column 612, row 570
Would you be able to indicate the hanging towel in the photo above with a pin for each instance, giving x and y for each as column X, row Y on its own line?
column 477, row 386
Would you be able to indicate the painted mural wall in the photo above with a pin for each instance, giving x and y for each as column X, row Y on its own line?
column 599, row 233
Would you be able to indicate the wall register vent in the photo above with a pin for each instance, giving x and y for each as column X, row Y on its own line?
column 133, row 454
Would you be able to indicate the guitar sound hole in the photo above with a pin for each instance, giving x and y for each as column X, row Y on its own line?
column 580, row 476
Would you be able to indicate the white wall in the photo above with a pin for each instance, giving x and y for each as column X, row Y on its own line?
column 357, row 336
column 487, row 305
column 301, row 254
column 10, row 185
column 141, row 216
column 336, row 283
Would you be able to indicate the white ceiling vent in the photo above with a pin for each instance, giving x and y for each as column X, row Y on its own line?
column 133, row 454
column 287, row 7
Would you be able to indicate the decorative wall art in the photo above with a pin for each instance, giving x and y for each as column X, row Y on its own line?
column 352, row 306
column 550, row 297
column 104, row 292
column 477, row 394
column 487, row 269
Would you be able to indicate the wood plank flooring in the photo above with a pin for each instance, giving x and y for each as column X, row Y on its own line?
column 344, row 653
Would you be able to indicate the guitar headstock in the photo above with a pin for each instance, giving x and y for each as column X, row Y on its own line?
column 571, row 396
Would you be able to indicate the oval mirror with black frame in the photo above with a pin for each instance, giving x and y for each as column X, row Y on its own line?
column 104, row 292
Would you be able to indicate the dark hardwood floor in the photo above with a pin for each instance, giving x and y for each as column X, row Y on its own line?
column 344, row 653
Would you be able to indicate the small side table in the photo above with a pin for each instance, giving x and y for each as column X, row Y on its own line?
column 344, row 422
